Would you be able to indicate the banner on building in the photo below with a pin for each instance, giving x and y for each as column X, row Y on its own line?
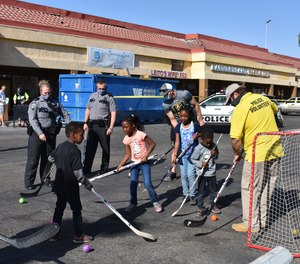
column 109, row 58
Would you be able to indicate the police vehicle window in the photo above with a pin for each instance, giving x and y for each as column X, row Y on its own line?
column 291, row 100
column 220, row 100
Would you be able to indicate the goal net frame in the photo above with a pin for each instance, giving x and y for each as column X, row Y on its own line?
column 278, row 223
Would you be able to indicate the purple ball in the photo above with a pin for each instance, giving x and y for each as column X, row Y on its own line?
column 86, row 248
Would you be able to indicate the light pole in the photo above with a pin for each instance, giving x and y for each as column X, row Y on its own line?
column 266, row 34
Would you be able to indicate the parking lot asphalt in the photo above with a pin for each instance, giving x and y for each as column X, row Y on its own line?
column 214, row 242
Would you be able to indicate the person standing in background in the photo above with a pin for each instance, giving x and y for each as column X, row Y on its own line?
column 100, row 117
column 2, row 104
column 20, row 98
column 42, row 114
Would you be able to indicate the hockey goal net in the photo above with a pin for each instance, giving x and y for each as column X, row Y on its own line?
column 274, row 209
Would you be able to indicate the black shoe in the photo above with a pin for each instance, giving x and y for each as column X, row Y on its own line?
column 193, row 201
column 170, row 177
column 55, row 238
column 102, row 171
column 30, row 187
column 48, row 183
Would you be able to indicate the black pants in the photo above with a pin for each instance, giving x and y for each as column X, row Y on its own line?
column 96, row 134
column 76, row 207
column 212, row 186
column 38, row 149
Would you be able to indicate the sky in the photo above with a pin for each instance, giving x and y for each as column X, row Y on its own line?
column 235, row 20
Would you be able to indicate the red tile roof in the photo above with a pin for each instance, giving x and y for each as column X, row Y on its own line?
column 26, row 15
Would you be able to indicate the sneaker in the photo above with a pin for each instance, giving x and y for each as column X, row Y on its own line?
column 193, row 201
column 242, row 227
column 157, row 207
column 216, row 210
column 102, row 171
column 186, row 200
column 201, row 212
column 55, row 238
column 130, row 208
column 170, row 177
column 83, row 239
column 48, row 182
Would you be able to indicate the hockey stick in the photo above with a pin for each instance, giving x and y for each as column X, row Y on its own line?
column 122, row 168
column 136, row 231
column 39, row 236
column 35, row 193
column 206, row 159
column 195, row 223
column 182, row 153
column 162, row 156
column 218, row 228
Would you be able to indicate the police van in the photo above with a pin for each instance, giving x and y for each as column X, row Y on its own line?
column 215, row 112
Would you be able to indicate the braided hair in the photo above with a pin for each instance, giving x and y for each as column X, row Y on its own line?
column 134, row 120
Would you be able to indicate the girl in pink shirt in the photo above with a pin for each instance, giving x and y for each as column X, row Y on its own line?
column 136, row 142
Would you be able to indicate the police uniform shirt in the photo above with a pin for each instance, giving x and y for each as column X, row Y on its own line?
column 101, row 106
column 174, row 105
column 42, row 114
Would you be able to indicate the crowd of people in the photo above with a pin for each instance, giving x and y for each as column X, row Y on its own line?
column 197, row 159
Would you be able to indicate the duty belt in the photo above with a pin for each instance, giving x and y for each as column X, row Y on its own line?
column 99, row 122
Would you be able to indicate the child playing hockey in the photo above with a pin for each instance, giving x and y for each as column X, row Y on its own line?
column 186, row 132
column 136, row 142
column 67, row 158
column 205, row 155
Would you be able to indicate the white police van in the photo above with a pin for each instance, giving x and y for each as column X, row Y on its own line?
column 215, row 112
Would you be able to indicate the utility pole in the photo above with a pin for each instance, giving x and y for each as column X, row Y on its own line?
column 266, row 34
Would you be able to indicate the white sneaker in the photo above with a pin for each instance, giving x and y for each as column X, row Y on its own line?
column 157, row 207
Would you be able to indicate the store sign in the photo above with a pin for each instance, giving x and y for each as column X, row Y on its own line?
column 109, row 58
column 239, row 70
column 168, row 74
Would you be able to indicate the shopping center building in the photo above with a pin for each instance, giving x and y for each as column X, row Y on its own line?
column 40, row 42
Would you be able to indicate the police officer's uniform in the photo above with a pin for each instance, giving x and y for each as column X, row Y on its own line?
column 42, row 116
column 100, row 107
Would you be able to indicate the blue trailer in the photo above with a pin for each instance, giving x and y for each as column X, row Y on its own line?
column 133, row 95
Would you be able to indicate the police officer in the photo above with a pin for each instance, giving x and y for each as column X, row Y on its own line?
column 21, row 99
column 42, row 113
column 100, row 117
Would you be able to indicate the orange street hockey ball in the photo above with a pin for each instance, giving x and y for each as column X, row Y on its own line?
column 214, row 217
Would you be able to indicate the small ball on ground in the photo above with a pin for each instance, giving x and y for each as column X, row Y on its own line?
column 86, row 248
column 21, row 200
column 214, row 217
column 295, row 232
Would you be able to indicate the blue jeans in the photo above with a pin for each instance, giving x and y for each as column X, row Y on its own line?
column 212, row 185
column 188, row 177
column 134, row 176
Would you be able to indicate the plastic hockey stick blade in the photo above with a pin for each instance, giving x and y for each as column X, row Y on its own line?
column 206, row 159
column 136, row 231
column 35, row 193
column 218, row 228
column 185, row 198
column 39, row 236
column 196, row 223
column 122, row 168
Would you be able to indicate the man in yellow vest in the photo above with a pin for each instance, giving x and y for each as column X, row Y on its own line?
column 254, row 113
